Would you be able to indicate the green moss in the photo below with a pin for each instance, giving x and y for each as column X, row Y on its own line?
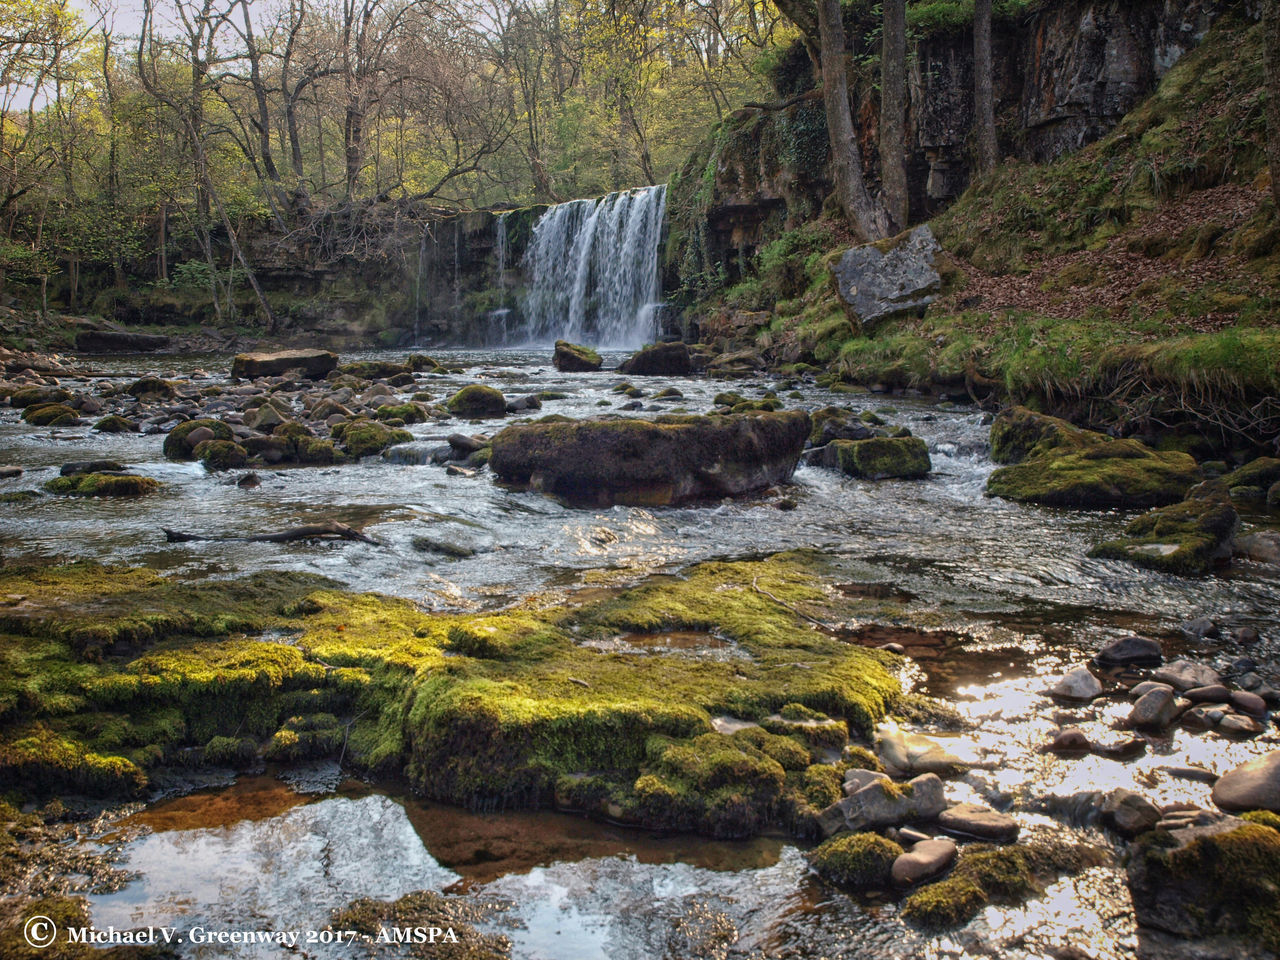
column 20, row 496
column 29, row 396
column 1187, row 538
column 115, row 424
column 176, row 446
column 948, row 903
column 361, row 438
column 103, row 485
column 1264, row 818
column 425, row 910
column 881, row 458
column 477, row 402
column 151, row 387
column 823, row 785
column 381, row 369
column 404, row 412
column 45, row 762
column 220, row 454
column 231, row 751
column 860, row 758
column 856, row 860
column 50, row 415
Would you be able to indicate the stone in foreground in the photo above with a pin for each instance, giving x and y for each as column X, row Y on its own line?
column 972, row 820
column 878, row 280
column 925, row 860
column 315, row 364
column 1251, row 786
column 651, row 462
column 574, row 358
column 1188, row 538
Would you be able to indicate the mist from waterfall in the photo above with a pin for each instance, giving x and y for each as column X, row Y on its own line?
column 592, row 269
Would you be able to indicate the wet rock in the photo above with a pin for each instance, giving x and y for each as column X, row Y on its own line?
column 573, row 358
column 198, row 436
column 1248, row 702
column 1196, row 774
column 926, row 859
column 1123, row 750
column 878, row 280
column 1254, row 785
column 116, row 341
column 1146, row 686
column 1129, row 813
column 266, row 418
column 9, row 471
column 972, row 820
column 1057, row 464
column 904, row 753
column 1261, row 547
column 249, row 481
column 1213, row 693
column 652, row 462
column 659, row 360
column 1130, row 652
column 1199, row 628
column 90, row 466
column 1238, row 725
column 1070, row 740
column 1154, row 710
column 883, row 802
column 1213, row 880
column 314, row 364
column 855, row 780
column 1077, row 684
column 1189, row 538
column 453, row 470
column 1246, row 636
column 880, row 458
column 478, row 402
column 464, row 444
column 529, row 402
column 1186, row 675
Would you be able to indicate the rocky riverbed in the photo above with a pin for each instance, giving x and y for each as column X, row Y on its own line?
column 838, row 674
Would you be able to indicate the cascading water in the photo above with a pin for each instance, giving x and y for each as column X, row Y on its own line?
column 592, row 268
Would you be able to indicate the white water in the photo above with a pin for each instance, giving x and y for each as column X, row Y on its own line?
column 593, row 271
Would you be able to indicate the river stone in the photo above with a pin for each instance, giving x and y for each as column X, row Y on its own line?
column 652, row 462
column 972, row 820
column 573, row 358
column 198, row 436
column 910, row 753
column 855, row 780
column 1261, row 547
column 118, row 341
column 315, row 364
column 1238, row 725
column 883, row 803
column 1154, row 710
column 9, row 471
column 1213, row 693
column 1078, row 684
column 266, row 418
column 879, row 458
column 1070, row 740
column 1185, row 675
column 91, row 466
column 1251, row 786
column 659, row 360
column 1131, row 652
column 878, row 280
column 1248, row 702
column 925, row 860
column 1146, row 686
column 1129, row 813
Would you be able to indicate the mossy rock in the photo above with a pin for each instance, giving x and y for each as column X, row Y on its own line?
column 103, row 485
column 46, row 763
column 421, row 363
column 478, row 402
column 29, row 396
column 1189, row 538
column 231, row 752
column 426, row 910
column 115, row 424
column 176, row 446
column 361, row 438
column 314, row 450
column 220, row 454
column 50, row 415
column 1056, row 464
column 151, row 387
column 374, row 369
column 659, row 360
column 574, row 358
column 1219, row 880
column 856, row 860
column 1262, row 473
column 880, row 458
column 404, row 412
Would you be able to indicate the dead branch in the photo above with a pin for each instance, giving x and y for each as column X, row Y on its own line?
column 327, row 530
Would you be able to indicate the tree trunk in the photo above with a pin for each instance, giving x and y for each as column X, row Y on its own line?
column 983, row 97
column 893, row 113
column 1271, row 63
column 866, row 219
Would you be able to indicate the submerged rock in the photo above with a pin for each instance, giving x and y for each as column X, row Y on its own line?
column 1057, row 464
column 314, row 364
column 652, row 462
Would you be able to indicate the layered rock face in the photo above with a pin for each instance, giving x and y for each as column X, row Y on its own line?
column 651, row 462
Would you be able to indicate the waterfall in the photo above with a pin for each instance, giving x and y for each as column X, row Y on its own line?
column 592, row 268
column 500, row 254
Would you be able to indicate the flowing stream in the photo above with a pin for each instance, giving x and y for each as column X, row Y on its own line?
column 1011, row 581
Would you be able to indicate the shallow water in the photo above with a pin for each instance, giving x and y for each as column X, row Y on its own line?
column 1008, row 593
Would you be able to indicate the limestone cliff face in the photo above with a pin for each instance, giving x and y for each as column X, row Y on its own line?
column 1065, row 75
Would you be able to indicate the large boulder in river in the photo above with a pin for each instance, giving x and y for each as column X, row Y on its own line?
column 651, row 462
column 1060, row 465
column 1218, row 880
column 1188, row 538
column 315, row 364
column 659, row 360
column 878, row 280
column 879, row 458
column 478, row 402
column 573, row 358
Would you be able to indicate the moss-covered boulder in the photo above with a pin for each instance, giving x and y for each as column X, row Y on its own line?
column 220, row 454
column 652, row 462
column 28, row 396
column 404, row 412
column 374, row 369
column 478, row 402
column 151, row 388
column 1218, row 880
column 178, row 443
column 313, row 364
column 856, row 860
column 361, row 438
column 574, row 358
column 879, row 458
column 115, row 424
column 50, row 415
column 659, row 360
column 1188, row 538
column 103, row 485
column 1057, row 464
